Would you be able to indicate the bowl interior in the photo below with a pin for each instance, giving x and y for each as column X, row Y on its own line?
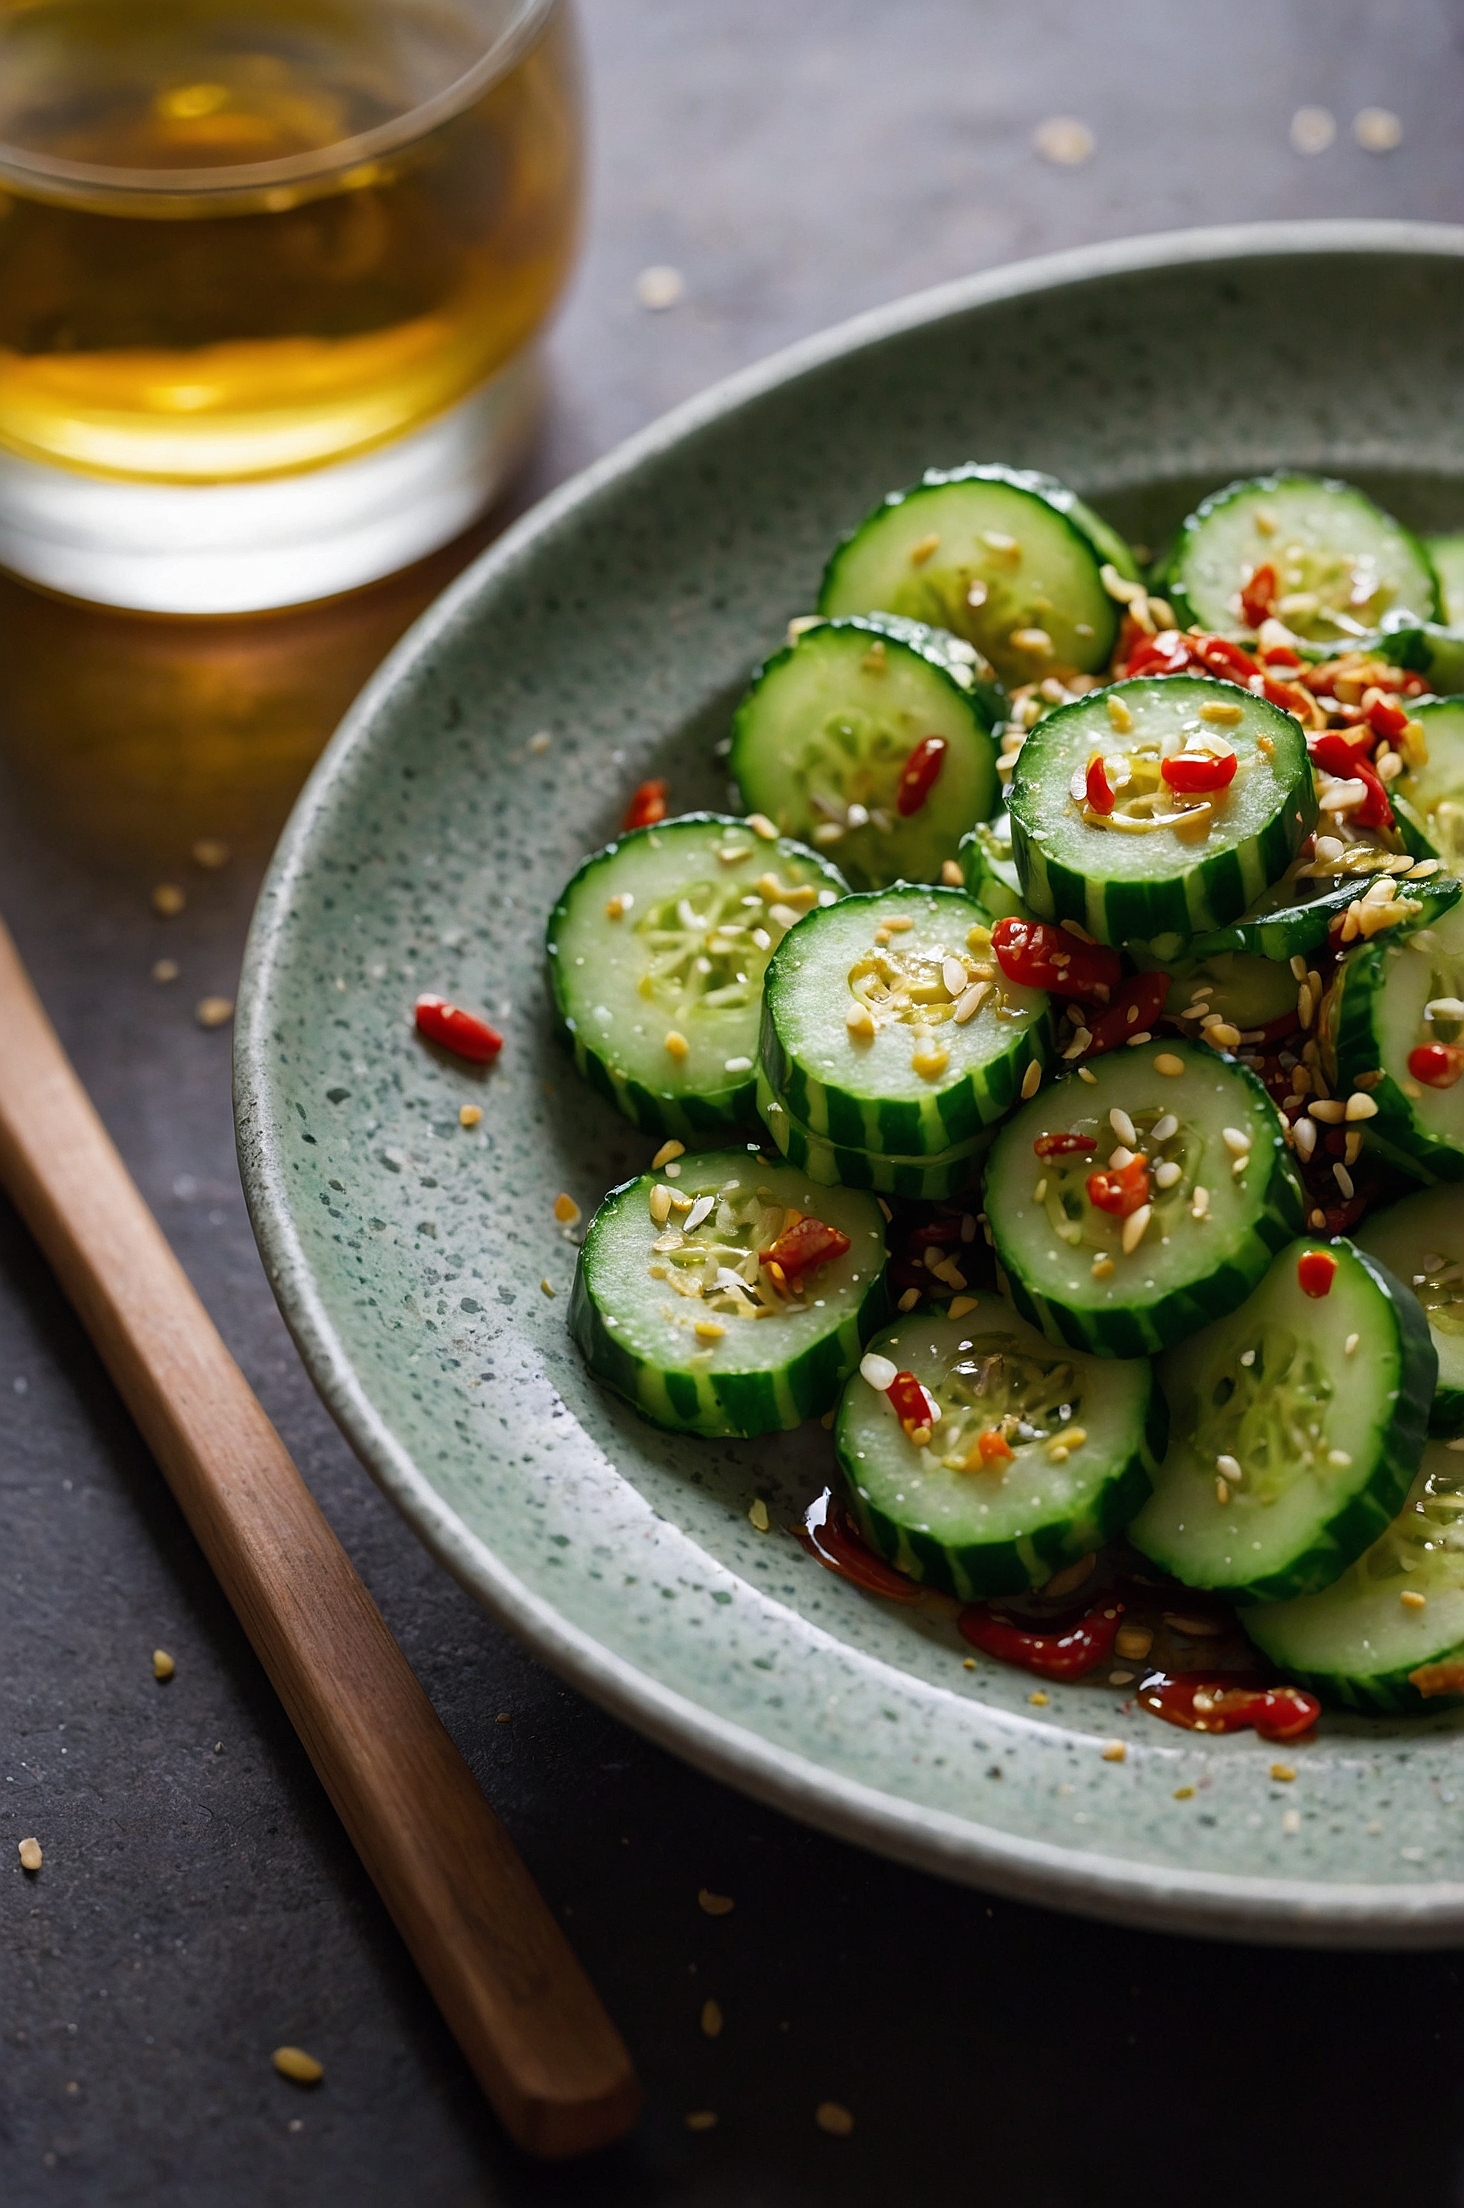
column 419, row 1262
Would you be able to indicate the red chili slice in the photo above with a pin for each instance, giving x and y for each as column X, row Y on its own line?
column 461, row 1032
column 1078, row 1649
column 1279, row 655
column 1100, row 796
column 1121, row 1191
column 1064, row 1146
column 994, row 1446
column 1043, row 957
column 1259, row 596
column 1315, row 1272
column 919, row 775
column 1345, row 756
column 1168, row 653
column 1386, row 719
column 647, row 806
column 1437, row 1065
column 1133, row 1011
column 1218, row 1705
column 1192, row 772
column 1288, row 695
column 808, row 1242
column 912, row 1404
column 1223, row 658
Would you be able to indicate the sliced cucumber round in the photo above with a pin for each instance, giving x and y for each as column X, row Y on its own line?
column 1157, row 862
column 1222, row 1198
column 1081, row 1437
column 822, row 740
column 1294, row 916
column 1249, row 993
column 1425, row 648
column 1339, row 562
column 1009, row 559
column 657, row 950
column 1390, row 996
column 1421, row 1241
column 934, row 1179
column 673, row 1308
column 1429, row 799
column 1363, row 1641
column 1289, row 1451
column 1446, row 555
column 893, row 1029
column 991, row 871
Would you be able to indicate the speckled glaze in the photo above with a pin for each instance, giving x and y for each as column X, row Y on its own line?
column 621, row 617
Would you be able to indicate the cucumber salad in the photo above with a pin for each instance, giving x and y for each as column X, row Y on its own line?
column 1052, row 1068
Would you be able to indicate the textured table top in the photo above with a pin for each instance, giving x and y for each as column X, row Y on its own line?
column 199, row 1904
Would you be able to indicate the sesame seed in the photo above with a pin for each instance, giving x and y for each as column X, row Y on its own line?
column 931, row 1060
column 1305, row 1135
column 1222, row 1492
column 540, row 742
column 1229, row 1469
column 211, row 852
column 214, row 1011
column 30, row 1855
column 1085, row 1073
column 1102, row 1267
column 970, row 1002
column 1114, row 1751
column 1123, row 1126
column 1220, row 1034
column 1316, row 1219
column 711, row 2019
column 1119, row 715
column 1282, row 1773
column 977, row 595
column 1184, row 1793
column 166, row 969
column 617, row 907
column 676, row 1043
column 859, row 1020
column 1221, row 716
column 908, row 1300
column 951, row 875
column 1350, row 1344
column 1063, row 140
column 921, row 551
column 660, row 1203
column 1329, row 1110
column 709, row 1330
column 1200, row 1203
column 1135, row 1227
column 293, row 2062
column 1377, row 130
column 1339, row 1459
column 566, row 1210
column 737, row 1065
column 549, row 1289
column 1361, row 1106
column 700, row 2119
column 1291, row 1822
column 168, row 900
column 758, row 1514
column 469, row 1115
column 834, row 2118
column 960, row 1305
column 1343, row 1179
column 163, row 1664
column 1031, row 1080
column 1167, row 1063
column 1030, row 640
column 762, row 826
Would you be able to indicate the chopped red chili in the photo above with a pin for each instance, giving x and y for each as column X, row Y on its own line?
column 1223, row 658
column 920, row 774
column 994, row 1446
column 1079, row 1648
column 1315, row 1272
column 1437, row 1065
column 461, row 1032
column 1192, row 772
column 647, row 806
column 1168, row 653
column 1288, row 695
column 804, row 1244
column 1386, row 719
column 1099, row 795
column 1122, row 1190
column 1133, row 1011
column 1259, row 596
column 912, row 1404
column 1043, row 957
column 1344, row 756
column 1064, row 1146
column 1279, row 655
column 1215, row 1705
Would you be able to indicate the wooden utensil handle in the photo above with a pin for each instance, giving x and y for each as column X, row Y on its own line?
column 499, row 1967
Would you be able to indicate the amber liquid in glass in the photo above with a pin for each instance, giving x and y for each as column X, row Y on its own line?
column 174, row 335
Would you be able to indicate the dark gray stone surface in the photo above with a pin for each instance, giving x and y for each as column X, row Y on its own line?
column 198, row 1903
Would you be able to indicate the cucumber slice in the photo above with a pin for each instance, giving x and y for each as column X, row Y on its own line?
column 1447, row 556
column 829, row 723
column 1429, row 799
column 1374, row 1015
column 1424, row 648
column 1358, row 1642
column 1421, row 1240
column 1294, row 916
column 1325, row 1441
column 642, row 1290
column 1084, row 1435
column 991, row 871
column 702, row 902
column 1250, row 993
column 1062, row 1258
column 912, row 1078
column 1340, row 562
column 1157, row 863
column 950, row 1173
column 1007, row 558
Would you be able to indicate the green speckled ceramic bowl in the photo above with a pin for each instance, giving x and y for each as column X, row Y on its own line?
column 621, row 617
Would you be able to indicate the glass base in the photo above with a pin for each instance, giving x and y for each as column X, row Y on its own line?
column 283, row 541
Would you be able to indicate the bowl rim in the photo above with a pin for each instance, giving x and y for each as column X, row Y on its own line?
column 1298, row 1912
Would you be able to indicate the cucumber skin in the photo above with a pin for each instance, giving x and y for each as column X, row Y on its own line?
column 1173, row 589
column 694, row 1120
column 1395, row 1134
column 905, row 1127
column 991, row 1568
column 1174, row 1317
column 929, row 1180
column 1446, row 1412
column 1386, row 1694
column 1367, row 1514
column 718, row 1406
column 983, row 882
column 1222, row 886
column 1297, row 929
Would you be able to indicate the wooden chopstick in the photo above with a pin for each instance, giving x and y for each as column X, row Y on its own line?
column 499, row 1968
